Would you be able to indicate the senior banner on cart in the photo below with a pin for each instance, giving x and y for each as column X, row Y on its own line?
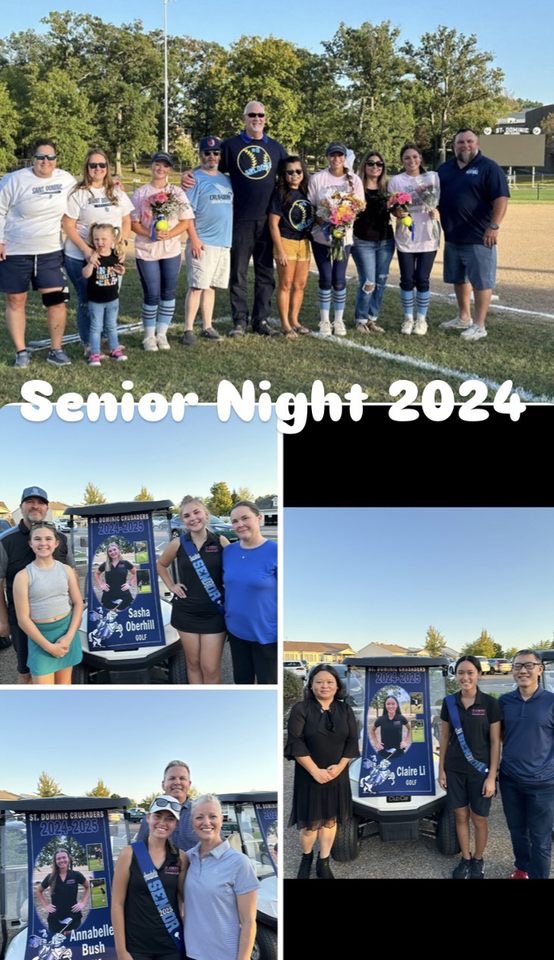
column 124, row 605
column 70, row 875
column 397, row 755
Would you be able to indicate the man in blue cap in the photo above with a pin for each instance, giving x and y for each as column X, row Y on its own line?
column 15, row 554
column 210, row 234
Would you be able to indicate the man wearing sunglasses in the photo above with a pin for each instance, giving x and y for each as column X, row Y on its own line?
column 176, row 783
column 527, row 768
column 208, row 249
column 15, row 554
column 32, row 203
column 251, row 159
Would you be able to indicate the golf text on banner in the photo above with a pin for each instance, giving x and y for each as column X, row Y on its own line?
column 398, row 748
column 124, row 605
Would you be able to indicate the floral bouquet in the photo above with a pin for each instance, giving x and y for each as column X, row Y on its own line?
column 338, row 210
column 163, row 205
column 398, row 204
column 430, row 200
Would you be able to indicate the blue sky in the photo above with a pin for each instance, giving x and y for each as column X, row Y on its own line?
column 386, row 575
column 169, row 458
column 228, row 738
column 520, row 37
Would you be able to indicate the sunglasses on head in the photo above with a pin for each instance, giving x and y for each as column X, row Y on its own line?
column 374, row 163
column 162, row 802
column 43, row 523
column 261, row 115
column 46, row 156
column 94, row 166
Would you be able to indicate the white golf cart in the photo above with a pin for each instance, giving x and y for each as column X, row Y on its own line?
column 395, row 791
column 129, row 640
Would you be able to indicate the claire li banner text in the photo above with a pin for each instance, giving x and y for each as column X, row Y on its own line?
column 72, row 921
column 397, row 755
column 124, row 610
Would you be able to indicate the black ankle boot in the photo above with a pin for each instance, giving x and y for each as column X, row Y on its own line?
column 305, row 867
column 322, row 869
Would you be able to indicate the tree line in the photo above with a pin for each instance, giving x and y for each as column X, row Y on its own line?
column 47, row 786
column 83, row 81
column 220, row 501
column 483, row 646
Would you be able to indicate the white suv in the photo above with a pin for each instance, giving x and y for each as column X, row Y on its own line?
column 297, row 667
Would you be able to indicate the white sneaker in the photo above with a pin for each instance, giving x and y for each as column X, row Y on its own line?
column 455, row 324
column 162, row 342
column 474, row 333
column 407, row 327
column 339, row 329
column 420, row 326
column 149, row 344
column 325, row 328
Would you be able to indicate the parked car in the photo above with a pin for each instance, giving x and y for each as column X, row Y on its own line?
column 485, row 665
column 297, row 667
column 500, row 665
column 5, row 525
column 215, row 524
column 135, row 815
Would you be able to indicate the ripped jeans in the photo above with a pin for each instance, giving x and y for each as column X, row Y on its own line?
column 372, row 259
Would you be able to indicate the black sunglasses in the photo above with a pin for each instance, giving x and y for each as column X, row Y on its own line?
column 211, row 153
column 374, row 163
column 43, row 523
column 255, row 114
column 93, row 166
column 46, row 156
column 292, row 173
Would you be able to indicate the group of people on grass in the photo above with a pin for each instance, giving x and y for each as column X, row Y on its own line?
column 220, row 589
column 482, row 740
column 248, row 198
column 203, row 904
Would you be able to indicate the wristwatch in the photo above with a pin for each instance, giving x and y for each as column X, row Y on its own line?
column 494, row 226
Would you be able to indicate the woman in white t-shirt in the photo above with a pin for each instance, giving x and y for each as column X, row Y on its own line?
column 94, row 199
column 332, row 272
column 417, row 244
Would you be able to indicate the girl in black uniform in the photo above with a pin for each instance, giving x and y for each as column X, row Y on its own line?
column 114, row 578
column 139, row 931
column 391, row 731
column 198, row 619
column 63, row 885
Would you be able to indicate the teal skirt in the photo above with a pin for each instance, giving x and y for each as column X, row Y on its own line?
column 41, row 663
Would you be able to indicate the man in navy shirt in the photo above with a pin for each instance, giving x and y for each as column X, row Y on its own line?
column 176, row 783
column 473, row 200
column 527, row 768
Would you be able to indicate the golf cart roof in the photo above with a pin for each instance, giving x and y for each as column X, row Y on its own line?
column 61, row 804
column 395, row 662
column 254, row 797
column 107, row 509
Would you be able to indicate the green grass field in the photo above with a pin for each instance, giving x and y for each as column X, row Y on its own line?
column 521, row 350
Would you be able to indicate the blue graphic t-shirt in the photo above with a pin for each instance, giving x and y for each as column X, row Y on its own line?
column 211, row 198
column 252, row 167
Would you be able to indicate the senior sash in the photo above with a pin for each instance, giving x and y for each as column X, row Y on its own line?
column 202, row 572
column 156, row 889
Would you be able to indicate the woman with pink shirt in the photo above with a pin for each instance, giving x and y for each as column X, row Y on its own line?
column 158, row 224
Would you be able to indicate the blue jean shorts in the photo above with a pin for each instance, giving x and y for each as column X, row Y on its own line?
column 44, row 271
column 470, row 263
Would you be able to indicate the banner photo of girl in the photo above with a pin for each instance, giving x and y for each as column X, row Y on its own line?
column 69, row 885
column 397, row 755
column 123, row 610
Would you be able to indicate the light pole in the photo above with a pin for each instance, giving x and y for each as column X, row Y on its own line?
column 166, row 83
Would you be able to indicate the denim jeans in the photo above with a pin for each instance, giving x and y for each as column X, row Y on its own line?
column 74, row 269
column 529, row 812
column 159, row 278
column 372, row 259
column 103, row 316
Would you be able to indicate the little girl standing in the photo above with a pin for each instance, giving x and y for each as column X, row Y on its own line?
column 103, row 271
column 49, row 608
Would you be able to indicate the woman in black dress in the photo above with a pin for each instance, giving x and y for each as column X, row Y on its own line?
column 197, row 618
column 322, row 739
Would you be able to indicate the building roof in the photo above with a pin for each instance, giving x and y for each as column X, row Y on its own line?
column 316, row 647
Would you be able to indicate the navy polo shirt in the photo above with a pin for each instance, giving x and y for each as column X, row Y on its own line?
column 467, row 196
column 528, row 736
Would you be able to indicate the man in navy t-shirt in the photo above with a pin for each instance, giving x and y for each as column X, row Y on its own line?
column 473, row 200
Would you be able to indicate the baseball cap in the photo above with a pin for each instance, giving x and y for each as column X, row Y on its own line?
column 34, row 492
column 166, row 803
column 210, row 143
column 336, row 148
column 162, row 157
